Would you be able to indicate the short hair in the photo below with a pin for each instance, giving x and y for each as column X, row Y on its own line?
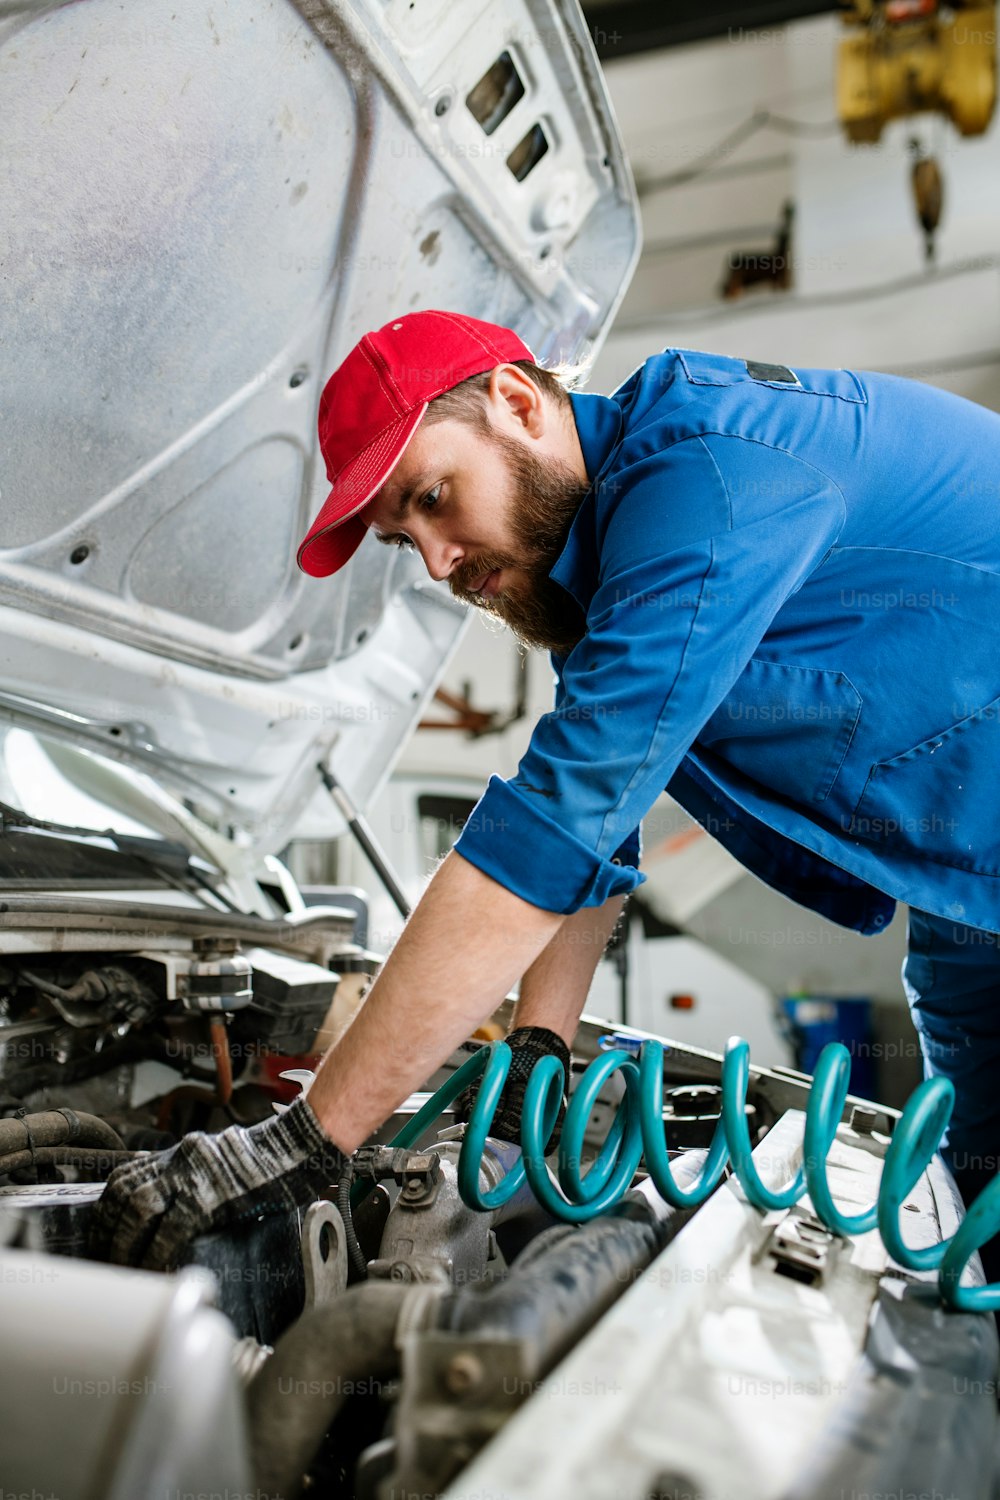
column 466, row 402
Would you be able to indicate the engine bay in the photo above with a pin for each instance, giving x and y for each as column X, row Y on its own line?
column 388, row 1340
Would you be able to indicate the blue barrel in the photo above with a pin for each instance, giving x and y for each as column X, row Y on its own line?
column 815, row 1020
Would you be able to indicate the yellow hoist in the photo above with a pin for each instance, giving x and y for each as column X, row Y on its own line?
column 905, row 57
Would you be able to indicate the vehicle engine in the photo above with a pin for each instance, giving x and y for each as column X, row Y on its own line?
column 382, row 1342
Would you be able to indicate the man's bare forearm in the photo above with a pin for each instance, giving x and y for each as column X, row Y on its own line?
column 554, row 989
column 466, row 944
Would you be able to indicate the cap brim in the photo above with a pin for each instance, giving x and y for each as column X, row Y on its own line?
column 337, row 533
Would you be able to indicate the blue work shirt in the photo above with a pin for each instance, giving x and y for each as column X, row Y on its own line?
column 791, row 581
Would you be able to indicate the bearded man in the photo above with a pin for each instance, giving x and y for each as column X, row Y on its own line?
column 774, row 592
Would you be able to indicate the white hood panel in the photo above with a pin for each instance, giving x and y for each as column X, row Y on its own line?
column 205, row 205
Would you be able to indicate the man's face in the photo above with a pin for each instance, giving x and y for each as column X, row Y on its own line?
column 491, row 516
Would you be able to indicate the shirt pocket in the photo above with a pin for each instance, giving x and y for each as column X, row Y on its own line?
column 786, row 727
column 721, row 369
column 938, row 800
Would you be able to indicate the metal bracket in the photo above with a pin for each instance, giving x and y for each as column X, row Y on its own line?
column 803, row 1247
column 324, row 1254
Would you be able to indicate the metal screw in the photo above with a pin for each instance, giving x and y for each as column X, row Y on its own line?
column 463, row 1373
column 400, row 1271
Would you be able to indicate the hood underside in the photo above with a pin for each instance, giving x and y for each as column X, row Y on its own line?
column 205, row 207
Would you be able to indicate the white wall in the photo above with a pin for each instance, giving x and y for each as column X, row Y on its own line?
column 856, row 236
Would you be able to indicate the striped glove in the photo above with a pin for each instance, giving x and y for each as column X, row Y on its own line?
column 154, row 1206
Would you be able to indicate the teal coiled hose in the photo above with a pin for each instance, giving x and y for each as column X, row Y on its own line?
column 637, row 1132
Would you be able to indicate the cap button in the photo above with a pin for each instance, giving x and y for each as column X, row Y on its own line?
column 395, row 326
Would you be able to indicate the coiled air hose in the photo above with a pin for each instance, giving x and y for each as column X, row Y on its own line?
column 637, row 1132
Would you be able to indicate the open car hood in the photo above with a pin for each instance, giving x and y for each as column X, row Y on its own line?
column 205, row 207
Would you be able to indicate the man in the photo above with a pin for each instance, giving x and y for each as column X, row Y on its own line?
column 774, row 592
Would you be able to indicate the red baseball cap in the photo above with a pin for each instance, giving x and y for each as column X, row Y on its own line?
column 372, row 405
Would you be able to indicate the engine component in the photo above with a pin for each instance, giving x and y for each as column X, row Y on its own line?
column 430, row 1234
column 716, row 1375
column 324, row 1254
column 356, row 968
column 54, row 1128
column 290, row 1001
column 146, row 1362
column 534, row 1316
column 66, row 1017
column 638, row 1132
column 692, row 1111
column 34, row 1144
column 323, row 1357
column 99, row 996
column 219, row 977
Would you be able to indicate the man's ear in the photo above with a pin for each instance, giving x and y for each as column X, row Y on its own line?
column 517, row 401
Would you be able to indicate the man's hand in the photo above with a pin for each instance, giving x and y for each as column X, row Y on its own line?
column 468, row 941
column 527, row 1044
column 154, row 1206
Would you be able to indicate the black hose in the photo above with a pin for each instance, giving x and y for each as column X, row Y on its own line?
column 557, row 1297
column 355, row 1254
column 542, row 1243
column 56, row 1127
column 98, row 1162
column 553, row 1300
column 322, row 1359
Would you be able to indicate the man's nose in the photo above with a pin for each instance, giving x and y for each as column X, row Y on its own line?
column 440, row 557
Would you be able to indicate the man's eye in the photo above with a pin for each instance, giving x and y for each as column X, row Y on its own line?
column 402, row 541
column 431, row 498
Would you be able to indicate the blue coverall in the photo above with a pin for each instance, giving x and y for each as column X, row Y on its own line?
column 791, row 582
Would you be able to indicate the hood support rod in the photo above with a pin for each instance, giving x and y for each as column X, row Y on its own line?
column 365, row 838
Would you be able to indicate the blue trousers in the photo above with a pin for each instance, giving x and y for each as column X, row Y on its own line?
column 951, row 975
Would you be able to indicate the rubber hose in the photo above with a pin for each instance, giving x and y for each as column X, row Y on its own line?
column 298, row 1392
column 89, row 1159
column 559, row 1294
column 53, row 1128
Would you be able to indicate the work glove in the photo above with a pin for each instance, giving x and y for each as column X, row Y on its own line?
column 527, row 1044
column 154, row 1206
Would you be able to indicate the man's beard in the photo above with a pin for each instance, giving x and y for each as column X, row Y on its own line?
column 547, row 496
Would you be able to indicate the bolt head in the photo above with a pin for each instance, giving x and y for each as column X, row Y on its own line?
column 464, row 1372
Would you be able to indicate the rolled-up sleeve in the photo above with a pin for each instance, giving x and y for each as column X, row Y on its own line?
column 699, row 547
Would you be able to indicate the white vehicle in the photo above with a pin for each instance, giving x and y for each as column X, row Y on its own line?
column 205, row 205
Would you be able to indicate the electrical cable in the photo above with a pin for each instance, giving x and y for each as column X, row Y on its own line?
column 761, row 119
column 637, row 1132
column 791, row 303
column 355, row 1253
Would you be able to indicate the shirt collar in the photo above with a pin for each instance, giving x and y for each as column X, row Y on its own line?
column 599, row 427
